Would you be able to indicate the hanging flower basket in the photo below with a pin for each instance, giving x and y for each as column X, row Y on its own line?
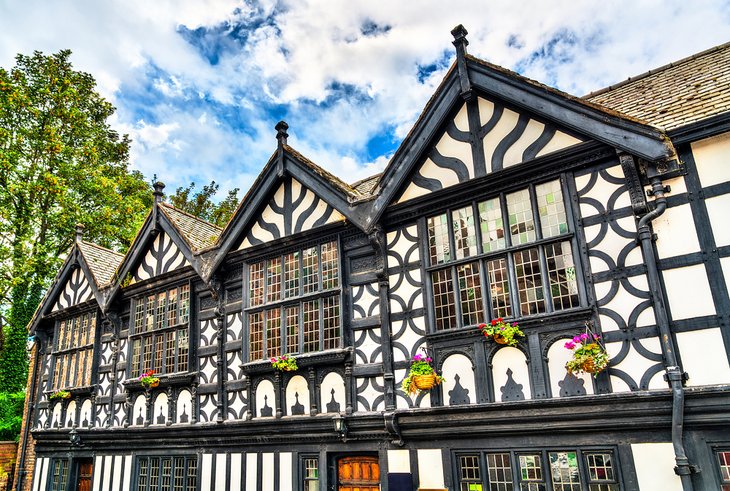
column 502, row 332
column 421, row 375
column 148, row 379
column 284, row 363
column 60, row 394
column 589, row 354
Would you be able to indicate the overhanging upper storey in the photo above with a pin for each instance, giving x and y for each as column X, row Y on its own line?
column 484, row 118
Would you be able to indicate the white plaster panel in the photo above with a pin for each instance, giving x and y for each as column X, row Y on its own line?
column 210, row 369
column 370, row 394
column 725, row 264
column 160, row 408
column 206, row 467
column 297, row 385
column 654, row 463
column 409, row 338
column 448, row 147
column 711, row 158
column 267, row 472
column 235, row 325
column 251, row 471
column 36, row 477
column 403, row 244
column 414, row 191
column 368, row 347
column 70, row 414
column 688, row 291
column 117, row 478
column 97, row 475
column 675, row 230
column 236, row 406
column 220, row 471
column 139, row 408
column 365, row 301
column 127, row 481
column 208, row 329
column 429, row 169
column 461, row 121
column 264, row 396
column 318, row 212
column 279, row 195
column 56, row 418
column 460, row 365
column 613, row 243
column 85, row 414
column 704, row 356
column 718, row 208
column 430, row 468
column 558, row 356
column 602, row 191
column 332, row 381
column 399, row 461
column 406, row 291
column 635, row 364
column 506, row 123
column 273, row 217
column 285, row 471
column 106, row 478
column 235, row 484
column 559, row 141
column 184, row 405
column 532, row 132
column 510, row 358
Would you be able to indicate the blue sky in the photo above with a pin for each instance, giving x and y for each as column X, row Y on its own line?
column 199, row 85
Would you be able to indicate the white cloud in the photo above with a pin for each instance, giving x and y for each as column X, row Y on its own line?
column 196, row 119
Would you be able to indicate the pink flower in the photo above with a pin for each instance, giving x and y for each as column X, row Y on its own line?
column 576, row 339
column 584, row 336
column 596, row 337
column 570, row 345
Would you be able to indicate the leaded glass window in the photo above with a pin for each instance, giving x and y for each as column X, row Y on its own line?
column 177, row 473
column 478, row 271
column 159, row 337
column 310, row 473
column 295, row 306
column 73, row 351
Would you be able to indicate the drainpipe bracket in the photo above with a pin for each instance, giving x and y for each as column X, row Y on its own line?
column 686, row 469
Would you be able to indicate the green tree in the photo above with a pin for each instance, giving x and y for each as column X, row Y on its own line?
column 60, row 164
column 201, row 204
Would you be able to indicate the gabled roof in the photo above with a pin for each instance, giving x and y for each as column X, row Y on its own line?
column 102, row 262
column 286, row 162
column 198, row 233
column 367, row 186
column 674, row 95
column 469, row 74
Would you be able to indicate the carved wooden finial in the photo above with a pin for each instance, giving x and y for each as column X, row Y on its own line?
column 158, row 194
column 79, row 232
column 460, row 42
column 281, row 134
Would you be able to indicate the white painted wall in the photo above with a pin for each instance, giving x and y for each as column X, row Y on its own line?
column 704, row 356
column 430, row 469
column 654, row 464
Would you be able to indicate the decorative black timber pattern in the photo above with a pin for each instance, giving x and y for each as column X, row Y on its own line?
column 105, row 378
column 77, row 290
column 365, row 301
column 120, row 409
column 293, row 209
column 370, row 394
column 408, row 324
column 506, row 138
column 162, row 256
column 622, row 292
column 234, row 331
column 208, row 370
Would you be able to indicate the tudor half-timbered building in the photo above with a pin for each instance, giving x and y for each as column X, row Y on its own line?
column 507, row 199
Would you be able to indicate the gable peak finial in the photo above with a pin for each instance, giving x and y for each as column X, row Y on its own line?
column 79, row 232
column 459, row 32
column 158, row 194
column 281, row 134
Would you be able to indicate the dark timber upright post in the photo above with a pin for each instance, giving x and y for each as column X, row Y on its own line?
column 281, row 136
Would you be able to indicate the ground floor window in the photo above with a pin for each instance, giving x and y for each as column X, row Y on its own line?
column 59, row 475
column 724, row 460
column 310, row 473
column 563, row 470
column 177, row 473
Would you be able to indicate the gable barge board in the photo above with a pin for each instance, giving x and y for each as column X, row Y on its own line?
column 512, row 178
column 700, row 130
column 638, row 139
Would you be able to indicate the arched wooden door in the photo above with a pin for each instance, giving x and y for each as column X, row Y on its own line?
column 358, row 474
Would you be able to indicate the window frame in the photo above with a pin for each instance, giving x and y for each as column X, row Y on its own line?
column 547, row 482
column 716, row 451
column 64, row 475
column 298, row 301
column 303, row 479
column 507, row 253
column 57, row 353
column 188, row 459
column 156, row 331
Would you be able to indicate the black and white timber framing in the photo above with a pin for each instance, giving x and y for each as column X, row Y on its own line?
column 234, row 424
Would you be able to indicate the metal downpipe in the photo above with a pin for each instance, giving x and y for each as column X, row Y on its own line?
column 674, row 375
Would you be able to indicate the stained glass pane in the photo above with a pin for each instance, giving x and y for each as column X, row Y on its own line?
column 291, row 274
column 492, row 225
column 521, row 223
column 465, row 237
column 256, row 284
column 310, row 270
column 330, row 265
column 310, row 311
column 292, row 329
column 553, row 220
column 564, row 471
column 273, row 280
column 438, row 239
column 256, row 335
column 184, row 304
column 498, row 278
column 601, row 475
column 273, row 333
column 331, row 321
